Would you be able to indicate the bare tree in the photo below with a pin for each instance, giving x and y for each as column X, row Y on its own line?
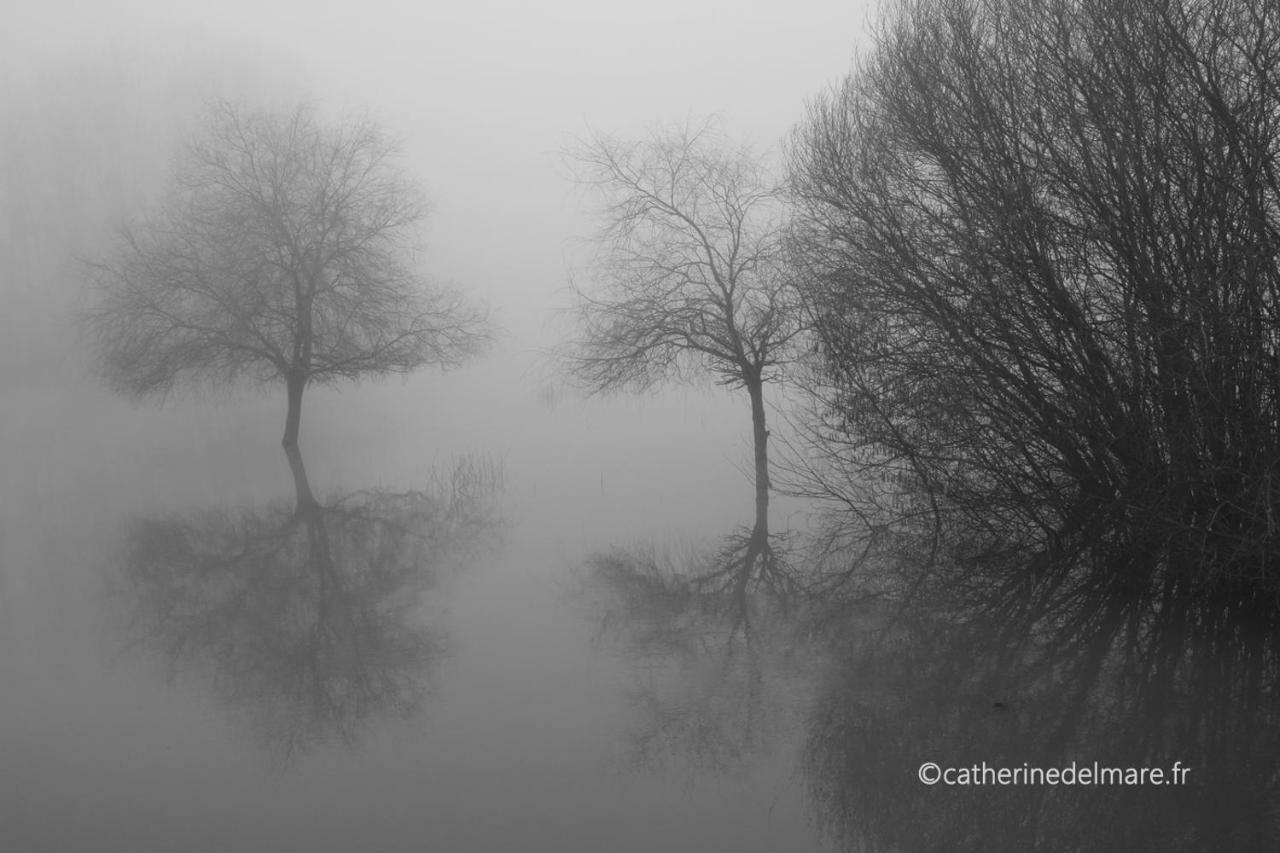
column 1045, row 248
column 689, row 279
column 284, row 253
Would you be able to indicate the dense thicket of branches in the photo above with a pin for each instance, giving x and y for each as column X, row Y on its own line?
column 1044, row 242
column 284, row 253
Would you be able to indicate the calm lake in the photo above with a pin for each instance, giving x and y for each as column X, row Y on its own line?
column 396, row 641
column 189, row 662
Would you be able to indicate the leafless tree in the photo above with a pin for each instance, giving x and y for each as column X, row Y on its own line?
column 284, row 253
column 689, row 279
column 1045, row 248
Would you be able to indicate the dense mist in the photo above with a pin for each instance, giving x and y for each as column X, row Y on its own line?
column 689, row 427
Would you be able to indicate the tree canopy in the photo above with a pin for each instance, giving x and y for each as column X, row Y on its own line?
column 1044, row 243
column 285, row 252
column 688, row 273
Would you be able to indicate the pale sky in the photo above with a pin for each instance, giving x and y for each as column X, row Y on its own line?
column 484, row 93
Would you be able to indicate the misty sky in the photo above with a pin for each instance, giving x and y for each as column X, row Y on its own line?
column 485, row 95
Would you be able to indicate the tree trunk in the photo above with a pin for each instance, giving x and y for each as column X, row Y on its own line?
column 295, row 383
column 758, row 544
column 760, row 439
column 301, row 486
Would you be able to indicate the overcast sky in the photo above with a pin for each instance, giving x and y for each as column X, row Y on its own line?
column 485, row 94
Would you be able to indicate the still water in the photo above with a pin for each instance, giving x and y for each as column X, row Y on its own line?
column 199, row 650
column 437, row 628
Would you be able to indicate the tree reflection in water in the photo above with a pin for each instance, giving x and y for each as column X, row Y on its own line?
column 1123, row 682
column 308, row 618
column 707, row 693
column 874, row 692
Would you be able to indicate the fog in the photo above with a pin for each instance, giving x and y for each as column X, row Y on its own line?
column 1007, row 521
column 145, row 710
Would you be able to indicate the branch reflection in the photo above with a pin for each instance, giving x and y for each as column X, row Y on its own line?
column 1125, row 682
column 706, row 695
column 310, row 619
column 966, row 678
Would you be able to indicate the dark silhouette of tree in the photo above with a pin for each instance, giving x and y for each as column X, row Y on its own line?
column 689, row 279
column 307, row 616
column 1044, row 269
column 284, row 253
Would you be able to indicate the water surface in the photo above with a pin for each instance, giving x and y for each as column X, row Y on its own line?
column 197, row 654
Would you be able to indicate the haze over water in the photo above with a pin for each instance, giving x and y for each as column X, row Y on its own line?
column 519, row 740
column 405, row 637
